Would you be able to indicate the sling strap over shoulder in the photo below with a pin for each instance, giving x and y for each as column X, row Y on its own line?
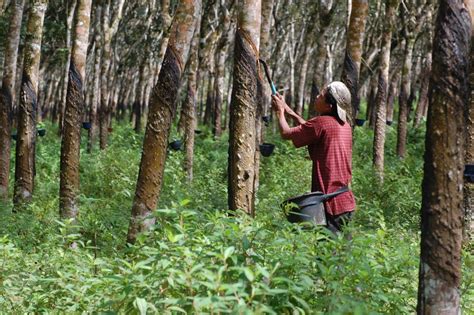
column 317, row 198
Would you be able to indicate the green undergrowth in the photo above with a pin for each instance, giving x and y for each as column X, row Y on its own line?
column 199, row 258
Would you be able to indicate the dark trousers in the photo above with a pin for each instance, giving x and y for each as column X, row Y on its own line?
column 336, row 223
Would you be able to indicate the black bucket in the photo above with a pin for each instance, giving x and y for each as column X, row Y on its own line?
column 360, row 122
column 469, row 172
column 306, row 208
column 41, row 132
column 267, row 119
column 175, row 145
column 267, row 149
column 86, row 125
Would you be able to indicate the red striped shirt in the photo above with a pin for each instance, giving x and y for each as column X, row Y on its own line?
column 330, row 148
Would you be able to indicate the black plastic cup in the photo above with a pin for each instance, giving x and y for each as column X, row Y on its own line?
column 360, row 122
column 86, row 125
column 266, row 149
column 175, row 145
column 41, row 132
column 469, row 172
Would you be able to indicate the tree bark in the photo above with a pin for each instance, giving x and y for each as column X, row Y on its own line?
column 352, row 60
column 267, row 7
column 441, row 209
column 405, row 91
column 92, row 133
column 71, row 7
column 326, row 14
column 468, row 230
column 381, row 110
column 7, row 92
column 392, row 91
column 75, row 105
column 26, row 135
column 161, row 112
column 422, row 106
column 109, row 29
column 189, row 105
column 242, row 137
column 221, row 54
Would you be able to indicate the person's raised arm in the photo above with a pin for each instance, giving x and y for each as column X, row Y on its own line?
column 294, row 115
column 278, row 105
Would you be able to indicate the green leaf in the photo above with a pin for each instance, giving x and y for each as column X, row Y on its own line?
column 249, row 274
column 141, row 304
column 228, row 252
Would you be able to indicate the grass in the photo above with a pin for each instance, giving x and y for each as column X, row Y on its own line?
column 197, row 259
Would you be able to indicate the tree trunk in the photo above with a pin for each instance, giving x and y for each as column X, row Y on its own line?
column 302, row 80
column 381, row 110
column 426, row 74
column 26, row 135
column 392, row 91
column 267, row 7
column 71, row 7
column 221, row 54
column 7, row 93
column 352, row 60
column 109, row 29
column 372, row 101
column 441, row 208
column 92, row 133
column 468, row 230
column 325, row 15
column 75, row 105
column 242, row 137
column 405, row 92
column 161, row 112
column 189, row 105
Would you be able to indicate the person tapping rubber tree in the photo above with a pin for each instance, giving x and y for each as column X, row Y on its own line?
column 329, row 141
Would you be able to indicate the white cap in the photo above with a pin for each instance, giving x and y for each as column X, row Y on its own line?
column 342, row 95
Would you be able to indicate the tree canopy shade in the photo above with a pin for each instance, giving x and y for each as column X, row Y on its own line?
column 441, row 209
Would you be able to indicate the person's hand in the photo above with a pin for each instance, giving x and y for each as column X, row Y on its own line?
column 278, row 104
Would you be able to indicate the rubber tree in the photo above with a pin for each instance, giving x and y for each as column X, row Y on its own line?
column 422, row 105
column 382, row 91
column 94, row 104
column 352, row 59
column 188, row 111
column 220, row 59
column 441, row 208
column 265, row 50
column 160, row 116
column 7, row 92
column 74, row 111
column 242, row 136
column 468, row 231
column 26, row 132
column 326, row 9
column 109, row 29
column 412, row 21
column 70, row 8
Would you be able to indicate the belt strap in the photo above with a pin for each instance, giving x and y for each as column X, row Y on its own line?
column 337, row 192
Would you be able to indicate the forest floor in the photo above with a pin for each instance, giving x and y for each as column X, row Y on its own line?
column 198, row 259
